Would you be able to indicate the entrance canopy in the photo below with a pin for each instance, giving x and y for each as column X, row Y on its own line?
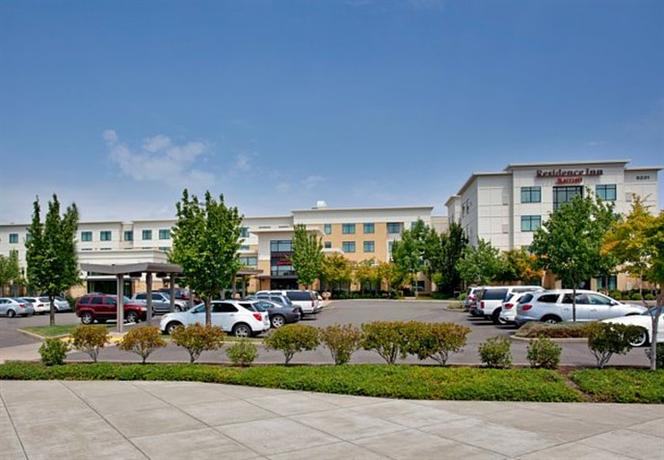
column 136, row 269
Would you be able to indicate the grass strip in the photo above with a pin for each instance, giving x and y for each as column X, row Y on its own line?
column 621, row 385
column 59, row 330
column 399, row 381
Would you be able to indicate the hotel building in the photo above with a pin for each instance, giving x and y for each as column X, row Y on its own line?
column 357, row 233
column 506, row 207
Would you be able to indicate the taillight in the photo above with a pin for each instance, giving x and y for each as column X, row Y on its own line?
column 482, row 305
column 508, row 306
column 258, row 317
column 526, row 307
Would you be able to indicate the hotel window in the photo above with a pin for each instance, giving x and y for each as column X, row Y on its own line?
column 244, row 232
column 369, row 228
column 281, row 246
column 164, row 234
column 249, row 261
column 129, row 235
column 13, row 238
column 369, row 246
column 531, row 194
column 348, row 246
column 328, row 245
column 327, row 229
column 394, row 228
column 105, row 235
column 86, row 236
column 606, row 192
column 562, row 195
column 146, row 235
column 610, row 283
column 348, row 229
column 244, row 247
column 163, row 248
column 530, row 223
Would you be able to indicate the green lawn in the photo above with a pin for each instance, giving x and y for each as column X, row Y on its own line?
column 58, row 330
column 398, row 381
column 621, row 385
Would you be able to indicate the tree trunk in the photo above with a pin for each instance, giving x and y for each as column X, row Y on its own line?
column 51, row 313
column 208, row 312
column 574, row 304
column 655, row 323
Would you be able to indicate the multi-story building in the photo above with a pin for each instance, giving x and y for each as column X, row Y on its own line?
column 266, row 245
column 506, row 207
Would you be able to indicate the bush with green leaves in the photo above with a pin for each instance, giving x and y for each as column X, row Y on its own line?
column 291, row 339
column 342, row 341
column 197, row 338
column 53, row 351
column 496, row 352
column 142, row 340
column 463, row 296
column 242, row 353
column 565, row 330
column 617, row 295
column 435, row 340
column 387, row 338
column 90, row 339
column 544, row 353
column 649, row 296
column 607, row 339
column 660, row 355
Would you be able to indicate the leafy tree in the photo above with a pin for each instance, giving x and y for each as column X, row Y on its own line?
column 569, row 242
column 10, row 273
column 452, row 245
column 206, row 240
column 479, row 264
column 408, row 253
column 390, row 274
column 366, row 273
column 51, row 251
column 519, row 265
column 337, row 270
column 307, row 257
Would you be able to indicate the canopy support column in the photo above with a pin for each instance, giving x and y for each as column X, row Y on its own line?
column 120, row 303
column 148, row 288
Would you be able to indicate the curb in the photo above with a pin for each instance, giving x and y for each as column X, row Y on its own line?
column 559, row 340
column 40, row 337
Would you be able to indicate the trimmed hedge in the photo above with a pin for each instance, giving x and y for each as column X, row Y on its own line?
column 568, row 330
column 396, row 381
column 622, row 385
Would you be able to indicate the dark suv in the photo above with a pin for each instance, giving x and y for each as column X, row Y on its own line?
column 102, row 307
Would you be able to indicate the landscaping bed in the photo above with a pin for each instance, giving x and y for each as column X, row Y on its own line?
column 59, row 330
column 621, row 385
column 567, row 330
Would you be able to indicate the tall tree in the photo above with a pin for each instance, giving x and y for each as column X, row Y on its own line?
column 637, row 242
column 10, row 273
column 51, row 251
column 365, row 273
column 337, row 270
column 389, row 273
column 307, row 257
column 453, row 244
column 206, row 241
column 569, row 243
column 479, row 264
column 519, row 265
column 408, row 253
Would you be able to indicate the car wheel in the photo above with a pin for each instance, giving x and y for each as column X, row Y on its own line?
column 131, row 317
column 172, row 326
column 641, row 340
column 495, row 316
column 242, row 330
column 87, row 317
column 551, row 319
column 11, row 313
column 277, row 321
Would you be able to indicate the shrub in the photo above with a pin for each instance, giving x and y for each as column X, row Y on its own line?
column 463, row 296
column 496, row 353
column 387, row 338
column 435, row 340
column 291, row 339
column 635, row 296
column 142, row 340
column 242, row 353
column 616, row 295
column 53, row 351
column 659, row 361
column 342, row 341
column 649, row 296
column 90, row 339
column 544, row 353
column 197, row 338
column 605, row 339
column 566, row 330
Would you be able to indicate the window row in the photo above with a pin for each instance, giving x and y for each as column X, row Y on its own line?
column 350, row 246
column 605, row 192
column 128, row 235
column 367, row 228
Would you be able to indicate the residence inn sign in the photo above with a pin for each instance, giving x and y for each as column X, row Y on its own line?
column 569, row 176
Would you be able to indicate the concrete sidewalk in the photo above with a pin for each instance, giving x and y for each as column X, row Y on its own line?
column 96, row 420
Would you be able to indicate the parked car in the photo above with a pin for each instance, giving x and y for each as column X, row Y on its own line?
column 278, row 298
column 229, row 315
column 508, row 309
column 180, row 294
column 644, row 321
column 104, row 307
column 12, row 307
column 490, row 299
column 61, row 304
column 471, row 297
column 41, row 305
column 556, row 305
column 307, row 302
column 161, row 302
column 278, row 313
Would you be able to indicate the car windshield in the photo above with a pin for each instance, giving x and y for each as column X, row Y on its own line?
column 45, row 299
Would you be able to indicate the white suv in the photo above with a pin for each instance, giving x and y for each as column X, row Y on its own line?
column 306, row 300
column 229, row 315
column 556, row 306
column 491, row 298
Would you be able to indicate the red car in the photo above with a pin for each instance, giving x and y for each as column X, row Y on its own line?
column 103, row 307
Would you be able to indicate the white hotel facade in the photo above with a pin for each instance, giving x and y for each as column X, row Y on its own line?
column 506, row 207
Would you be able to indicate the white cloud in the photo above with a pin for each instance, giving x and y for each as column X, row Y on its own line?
column 110, row 136
column 311, row 182
column 242, row 162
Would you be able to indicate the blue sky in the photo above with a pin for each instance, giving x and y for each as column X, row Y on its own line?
column 117, row 105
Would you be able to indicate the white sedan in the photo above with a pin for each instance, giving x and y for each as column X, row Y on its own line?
column 229, row 315
column 40, row 304
column 644, row 321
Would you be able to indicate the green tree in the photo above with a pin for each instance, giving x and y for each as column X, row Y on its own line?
column 519, row 265
column 307, row 257
column 337, row 271
column 569, row 243
column 365, row 274
column 52, row 263
column 479, row 264
column 408, row 253
column 453, row 243
column 390, row 274
column 10, row 273
column 206, row 240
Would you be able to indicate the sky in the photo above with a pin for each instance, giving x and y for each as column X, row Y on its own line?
column 119, row 105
